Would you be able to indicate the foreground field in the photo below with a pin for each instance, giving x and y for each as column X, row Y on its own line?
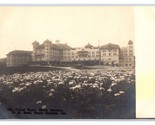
column 87, row 93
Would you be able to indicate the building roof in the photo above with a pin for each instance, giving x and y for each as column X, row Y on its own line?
column 20, row 52
column 89, row 46
column 35, row 42
column 47, row 41
column 110, row 46
column 61, row 46
column 41, row 46
column 3, row 60
column 56, row 46
column 130, row 42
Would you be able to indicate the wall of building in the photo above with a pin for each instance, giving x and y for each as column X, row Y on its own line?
column 128, row 56
column 80, row 54
column 109, row 56
column 15, row 60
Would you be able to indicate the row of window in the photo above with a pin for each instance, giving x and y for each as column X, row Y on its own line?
column 128, row 58
column 128, row 61
column 80, row 56
column 110, row 50
column 128, row 64
column 78, row 59
column 69, row 53
column 130, row 51
column 93, row 53
column 128, row 54
column 77, row 53
column 110, row 54
column 18, row 60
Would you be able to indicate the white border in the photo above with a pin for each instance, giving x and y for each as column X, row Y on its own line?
column 71, row 2
column 76, row 2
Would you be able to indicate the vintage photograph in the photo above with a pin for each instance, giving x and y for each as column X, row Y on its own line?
column 67, row 62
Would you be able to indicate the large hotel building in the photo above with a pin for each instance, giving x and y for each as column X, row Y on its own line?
column 60, row 54
column 57, row 53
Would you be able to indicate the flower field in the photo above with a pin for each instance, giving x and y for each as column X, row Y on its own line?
column 84, row 93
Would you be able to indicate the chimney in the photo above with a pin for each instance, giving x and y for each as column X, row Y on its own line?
column 57, row 41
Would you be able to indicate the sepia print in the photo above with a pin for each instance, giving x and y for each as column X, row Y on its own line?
column 67, row 62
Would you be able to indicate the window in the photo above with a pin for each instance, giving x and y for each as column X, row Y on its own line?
column 130, row 51
column 126, row 64
column 109, row 58
column 115, row 50
column 115, row 54
column 109, row 54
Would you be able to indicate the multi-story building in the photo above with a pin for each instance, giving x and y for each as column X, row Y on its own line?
column 18, row 58
column 48, row 52
column 110, row 54
column 128, row 58
column 58, row 53
column 3, row 62
column 88, row 55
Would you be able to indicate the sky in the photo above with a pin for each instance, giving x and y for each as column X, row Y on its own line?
column 75, row 25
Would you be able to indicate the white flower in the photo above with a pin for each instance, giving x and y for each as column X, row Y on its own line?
column 27, row 84
column 101, row 88
column 50, row 94
column 78, row 86
column 109, row 90
column 40, row 81
column 113, row 84
column 35, row 82
column 52, row 90
column 44, row 107
column 48, row 80
column 121, row 92
column 70, row 83
column 116, row 94
column 13, row 90
column 72, row 88
column 85, row 82
column 60, row 83
column 38, row 102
